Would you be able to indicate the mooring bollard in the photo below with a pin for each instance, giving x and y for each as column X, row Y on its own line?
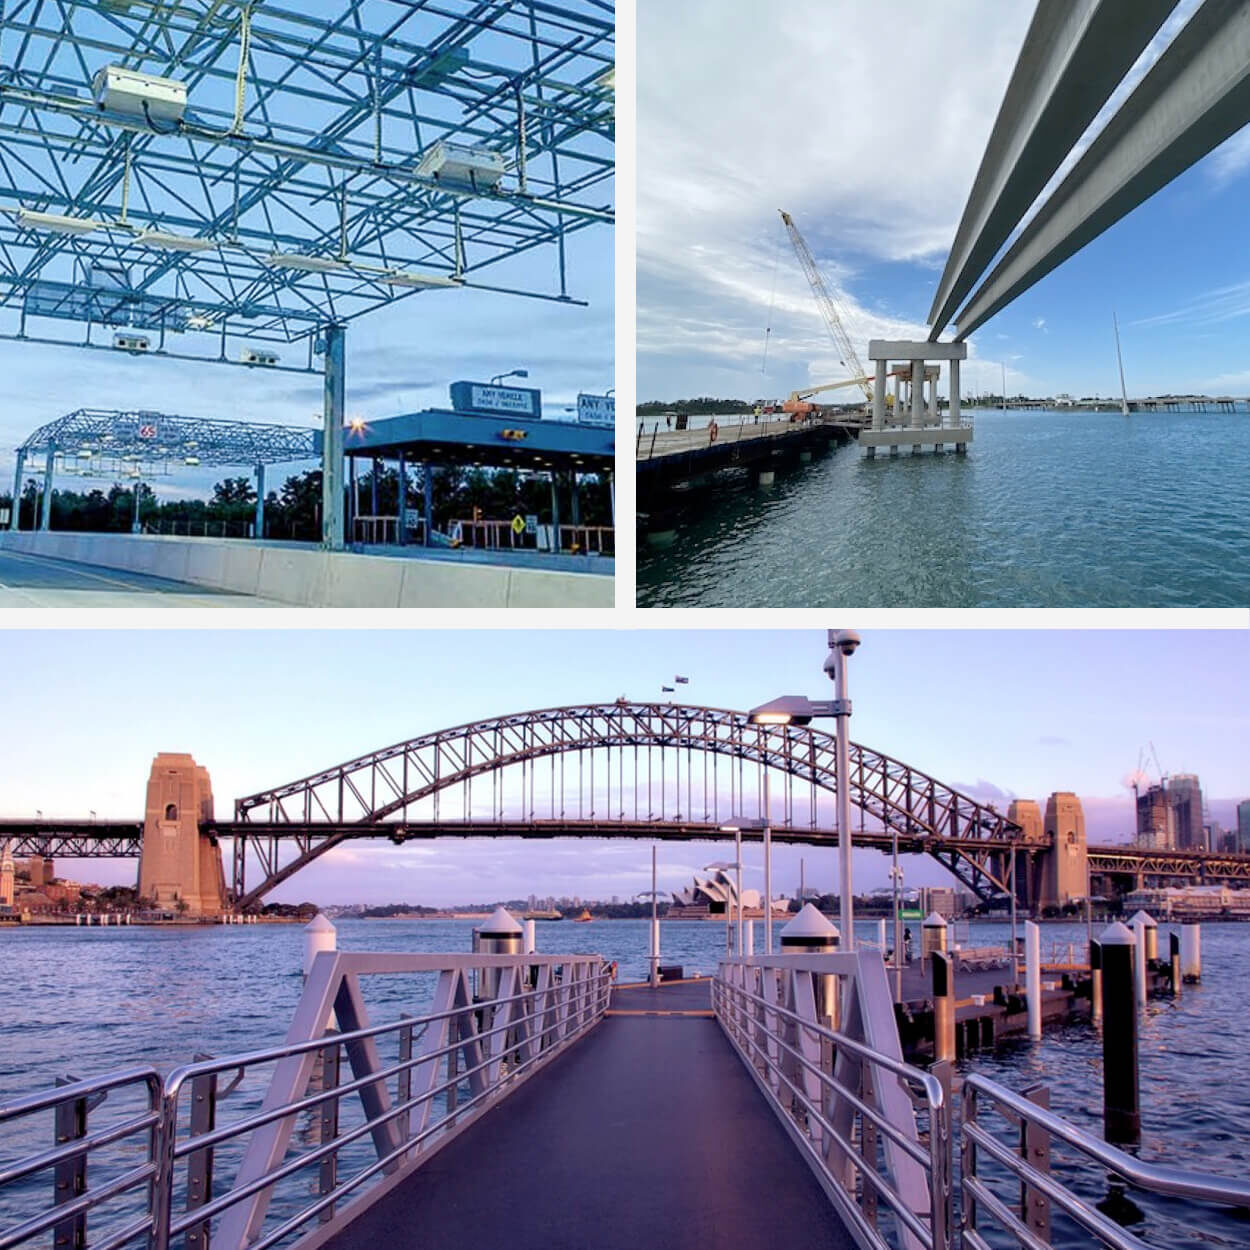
column 655, row 952
column 1095, row 979
column 748, row 937
column 1191, row 952
column 1120, row 1097
column 1033, row 977
column 1174, row 959
column 1151, row 927
column 943, row 1006
column 319, row 935
column 881, row 935
column 810, row 933
column 500, row 935
column 531, row 937
column 1139, row 964
column 932, row 935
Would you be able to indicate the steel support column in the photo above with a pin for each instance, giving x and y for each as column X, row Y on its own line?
column 45, row 512
column 332, row 453
column 260, row 502
column 402, row 510
column 878, row 397
column 15, row 516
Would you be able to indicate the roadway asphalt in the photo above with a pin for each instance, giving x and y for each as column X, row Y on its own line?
column 36, row 582
column 647, row 1133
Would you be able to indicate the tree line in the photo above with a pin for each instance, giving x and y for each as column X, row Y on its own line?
column 703, row 406
column 294, row 510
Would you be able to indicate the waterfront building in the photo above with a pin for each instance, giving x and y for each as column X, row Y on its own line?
column 716, row 894
column 1243, row 827
column 1156, row 828
column 1191, row 902
column 1185, row 798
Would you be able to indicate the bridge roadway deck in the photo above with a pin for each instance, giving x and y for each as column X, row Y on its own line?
column 646, row 1133
column 39, row 582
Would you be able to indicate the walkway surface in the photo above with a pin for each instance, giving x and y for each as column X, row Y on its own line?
column 647, row 1133
column 37, row 582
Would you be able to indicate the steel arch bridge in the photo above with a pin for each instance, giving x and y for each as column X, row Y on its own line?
column 611, row 770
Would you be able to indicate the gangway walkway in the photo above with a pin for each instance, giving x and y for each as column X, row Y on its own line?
column 643, row 1134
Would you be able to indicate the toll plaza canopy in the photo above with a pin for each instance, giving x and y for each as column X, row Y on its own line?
column 439, row 436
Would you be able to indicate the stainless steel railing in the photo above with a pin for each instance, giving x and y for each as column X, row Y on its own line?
column 337, row 1115
column 837, row 1095
column 102, row 1164
column 1028, row 1163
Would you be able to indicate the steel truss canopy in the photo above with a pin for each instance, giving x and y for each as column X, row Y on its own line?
column 262, row 170
column 1194, row 96
column 97, row 440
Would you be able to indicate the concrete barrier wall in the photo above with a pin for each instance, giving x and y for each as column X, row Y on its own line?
column 310, row 577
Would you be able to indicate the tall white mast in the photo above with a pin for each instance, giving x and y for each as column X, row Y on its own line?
column 1123, row 392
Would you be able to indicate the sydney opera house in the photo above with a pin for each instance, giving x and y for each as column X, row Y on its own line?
column 716, row 894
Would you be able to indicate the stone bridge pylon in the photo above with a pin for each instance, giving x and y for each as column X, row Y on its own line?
column 180, row 868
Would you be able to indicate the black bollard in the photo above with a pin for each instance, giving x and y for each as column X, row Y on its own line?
column 1174, row 940
column 1095, row 979
column 943, row 1006
column 1120, row 1095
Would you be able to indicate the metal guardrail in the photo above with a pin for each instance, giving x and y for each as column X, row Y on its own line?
column 336, row 1117
column 1029, row 1164
column 839, row 1095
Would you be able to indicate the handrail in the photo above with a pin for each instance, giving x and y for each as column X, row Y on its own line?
column 1153, row 1178
column 797, row 1060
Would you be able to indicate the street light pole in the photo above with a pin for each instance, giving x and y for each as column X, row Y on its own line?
column 842, row 646
column 896, row 876
column 738, row 859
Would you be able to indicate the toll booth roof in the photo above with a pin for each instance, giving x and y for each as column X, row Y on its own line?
column 497, row 442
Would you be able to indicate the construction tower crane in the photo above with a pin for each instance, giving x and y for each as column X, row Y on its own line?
column 828, row 306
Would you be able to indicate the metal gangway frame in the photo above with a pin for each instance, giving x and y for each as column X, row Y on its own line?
column 495, row 1020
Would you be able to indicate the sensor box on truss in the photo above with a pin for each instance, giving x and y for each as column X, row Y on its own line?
column 120, row 90
column 461, row 164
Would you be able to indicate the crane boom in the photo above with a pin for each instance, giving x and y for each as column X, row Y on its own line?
column 828, row 305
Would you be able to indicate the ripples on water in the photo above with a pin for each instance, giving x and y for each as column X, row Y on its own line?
column 1046, row 510
column 83, row 1002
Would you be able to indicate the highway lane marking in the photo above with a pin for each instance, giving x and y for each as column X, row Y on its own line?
column 112, row 581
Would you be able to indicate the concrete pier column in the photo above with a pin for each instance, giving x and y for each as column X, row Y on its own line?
column 881, row 939
column 748, row 938
column 1033, row 977
column 531, row 936
column 402, row 536
column 943, row 972
column 917, row 394
column 15, row 515
column 898, row 398
column 332, row 447
column 1121, row 1101
column 1151, row 927
column 1191, row 952
column 260, row 502
column 45, row 513
column 933, row 400
column 954, row 413
column 878, row 397
column 319, row 935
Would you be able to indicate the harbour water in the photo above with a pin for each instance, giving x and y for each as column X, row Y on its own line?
column 1048, row 509
column 86, row 1001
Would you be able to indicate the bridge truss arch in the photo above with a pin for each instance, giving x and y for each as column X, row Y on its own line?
column 619, row 769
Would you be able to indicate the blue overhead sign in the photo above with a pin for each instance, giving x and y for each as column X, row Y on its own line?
column 506, row 401
column 596, row 409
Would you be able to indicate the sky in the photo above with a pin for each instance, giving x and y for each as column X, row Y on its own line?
column 815, row 107
column 995, row 714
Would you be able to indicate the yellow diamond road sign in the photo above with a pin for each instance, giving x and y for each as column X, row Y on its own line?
column 518, row 525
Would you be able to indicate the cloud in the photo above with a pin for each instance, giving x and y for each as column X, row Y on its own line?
column 1040, row 324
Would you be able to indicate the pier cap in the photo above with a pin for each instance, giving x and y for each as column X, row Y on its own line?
column 1143, row 917
column 934, row 921
column 810, row 928
column 320, row 923
column 1117, row 934
column 502, row 923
